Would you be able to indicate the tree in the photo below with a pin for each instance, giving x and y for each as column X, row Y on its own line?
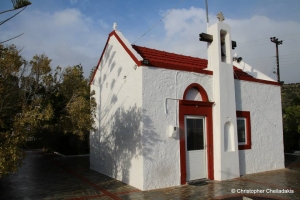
column 20, row 3
column 73, row 105
column 291, row 126
column 17, row 4
column 11, row 139
column 59, row 102
column 75, row 89
column 37, row 101
column 20, row 113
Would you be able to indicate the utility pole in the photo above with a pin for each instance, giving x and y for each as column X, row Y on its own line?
column 275, row 40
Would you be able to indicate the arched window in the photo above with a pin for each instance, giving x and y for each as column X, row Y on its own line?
column 195, row 92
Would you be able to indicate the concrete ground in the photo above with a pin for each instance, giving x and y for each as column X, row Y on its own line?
column 49, row 176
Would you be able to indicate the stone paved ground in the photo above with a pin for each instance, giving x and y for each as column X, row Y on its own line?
column 49, row 176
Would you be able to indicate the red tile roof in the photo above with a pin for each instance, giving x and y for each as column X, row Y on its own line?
column 169, row 60
column 162, row 57
column 173, row 61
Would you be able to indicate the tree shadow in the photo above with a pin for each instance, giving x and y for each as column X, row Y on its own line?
column 119, row 71
column 112, row 84
column 120, row 140
column 109, row 60
column 150, row 136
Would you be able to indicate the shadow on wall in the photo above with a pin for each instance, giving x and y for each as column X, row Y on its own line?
column 242, row 160
column 119, row 141
column 150, row 137
column 238, row 98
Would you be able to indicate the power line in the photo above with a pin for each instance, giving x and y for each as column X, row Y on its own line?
column 11, row 38
column 159, row 21
column 287, row 56
column 296, row 35
column 290, row 55
column 240, row 45
column 272, row 70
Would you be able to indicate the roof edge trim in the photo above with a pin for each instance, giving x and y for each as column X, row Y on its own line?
column 251, row 79
column 94, row 74
column 114, row 33
column 137, row 62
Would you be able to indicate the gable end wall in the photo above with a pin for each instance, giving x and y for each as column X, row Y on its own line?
column 115, row 147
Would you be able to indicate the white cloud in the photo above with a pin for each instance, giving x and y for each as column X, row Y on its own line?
column 73, row 1
column 67, row 17
column 184, row 21
column 103, row 24
column 182, row 28
column 67, row 37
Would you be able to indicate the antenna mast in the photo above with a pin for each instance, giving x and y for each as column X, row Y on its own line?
column 207, row 20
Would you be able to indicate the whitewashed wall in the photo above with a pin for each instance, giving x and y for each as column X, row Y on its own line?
column 226, row 155
column 264, row 103
column 161, row 153
column 251, row 71
column 131, row 142
column 116, row 146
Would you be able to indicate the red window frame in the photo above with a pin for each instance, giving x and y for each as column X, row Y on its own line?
column 246, row 115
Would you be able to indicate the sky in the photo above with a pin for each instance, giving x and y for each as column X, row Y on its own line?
column 72, row 32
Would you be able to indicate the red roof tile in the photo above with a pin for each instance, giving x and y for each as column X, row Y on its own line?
column 162, row 57
column 174, row 61
column 169, row 60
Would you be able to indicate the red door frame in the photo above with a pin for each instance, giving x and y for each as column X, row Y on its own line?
column 197, row 108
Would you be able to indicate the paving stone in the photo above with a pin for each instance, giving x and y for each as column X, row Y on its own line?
column 49, row 176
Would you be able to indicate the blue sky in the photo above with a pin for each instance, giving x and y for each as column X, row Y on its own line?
column 75, row 31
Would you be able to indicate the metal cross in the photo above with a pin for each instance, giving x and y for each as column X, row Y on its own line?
column 220, row 16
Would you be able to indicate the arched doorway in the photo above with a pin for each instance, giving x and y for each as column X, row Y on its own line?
column 196, row 134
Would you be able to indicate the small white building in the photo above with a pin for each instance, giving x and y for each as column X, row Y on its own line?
column 165, row 119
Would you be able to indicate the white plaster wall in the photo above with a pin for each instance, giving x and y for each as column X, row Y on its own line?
column 251, row 71
column 226, row 155
column 116, row 146
column 264, row 103
column 161, row 153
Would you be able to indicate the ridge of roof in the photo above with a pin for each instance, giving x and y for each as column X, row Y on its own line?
column 167, row 60
column 119, row 38
column 163, row 59
column 158, row 55
column 97, row 66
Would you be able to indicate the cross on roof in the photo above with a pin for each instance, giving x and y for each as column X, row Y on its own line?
column 220, row 16
column 115, row 26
